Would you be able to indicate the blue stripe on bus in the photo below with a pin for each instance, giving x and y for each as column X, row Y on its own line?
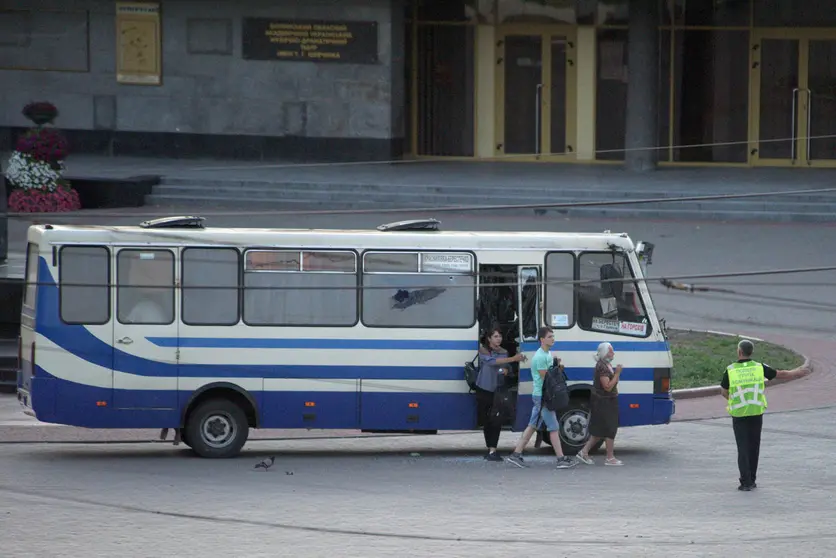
column 261, row 343
column 282, row 409
column 383, row 344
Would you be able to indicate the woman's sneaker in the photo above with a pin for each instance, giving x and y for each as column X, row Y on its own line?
column 493, row 456
column 565, row 463
column 516, row 459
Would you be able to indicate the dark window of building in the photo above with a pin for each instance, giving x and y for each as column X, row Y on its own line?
column 794, row 13
column 465, row 11
column 613, row 76
column 612, row 12
column 708, row 13
column 711, row 96
column 539, row 11
column 445, row 104
column 409, row 82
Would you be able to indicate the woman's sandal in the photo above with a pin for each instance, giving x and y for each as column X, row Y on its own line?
column 613, row 462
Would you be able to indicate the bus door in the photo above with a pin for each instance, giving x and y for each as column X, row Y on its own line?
column 145, row 331
column 529, row 313
column 509, row 298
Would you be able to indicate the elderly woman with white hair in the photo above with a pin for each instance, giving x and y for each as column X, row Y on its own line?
column 603, row 420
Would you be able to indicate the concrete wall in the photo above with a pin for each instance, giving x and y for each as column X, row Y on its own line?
column 208, row 88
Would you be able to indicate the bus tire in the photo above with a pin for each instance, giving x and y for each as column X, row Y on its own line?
column 184, row 437
column 574, row 426
column 217, row 428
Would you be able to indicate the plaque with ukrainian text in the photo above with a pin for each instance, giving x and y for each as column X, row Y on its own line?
column 349, row 42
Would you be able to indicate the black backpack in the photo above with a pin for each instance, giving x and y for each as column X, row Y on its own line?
column 471, row 372
column 555, row 388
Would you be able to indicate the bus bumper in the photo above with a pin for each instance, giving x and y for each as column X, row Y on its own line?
column 663, row 410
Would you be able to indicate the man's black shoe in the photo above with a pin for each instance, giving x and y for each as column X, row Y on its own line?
column 744, row 488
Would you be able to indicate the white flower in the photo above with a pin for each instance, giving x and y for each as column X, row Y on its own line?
column 27, row 173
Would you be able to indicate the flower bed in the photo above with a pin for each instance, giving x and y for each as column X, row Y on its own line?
column 36, row 166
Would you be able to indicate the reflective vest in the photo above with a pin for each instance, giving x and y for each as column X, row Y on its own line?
column 746, row 389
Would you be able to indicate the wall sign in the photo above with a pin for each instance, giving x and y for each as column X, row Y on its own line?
column 349, row 42
column 138, row 43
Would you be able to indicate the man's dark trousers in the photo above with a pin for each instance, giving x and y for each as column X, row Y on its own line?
column 747, row 434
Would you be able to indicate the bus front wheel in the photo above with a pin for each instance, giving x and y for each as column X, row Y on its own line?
column 217, row 428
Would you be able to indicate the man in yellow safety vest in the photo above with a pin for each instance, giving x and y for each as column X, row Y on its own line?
column 743, row 385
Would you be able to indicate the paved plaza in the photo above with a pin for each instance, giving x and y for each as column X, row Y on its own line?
column 426, row 496
column 434, row 495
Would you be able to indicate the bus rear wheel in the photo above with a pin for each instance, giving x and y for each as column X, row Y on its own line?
column 217, row 428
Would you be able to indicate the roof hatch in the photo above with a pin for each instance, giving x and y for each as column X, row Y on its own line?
column 412, row 225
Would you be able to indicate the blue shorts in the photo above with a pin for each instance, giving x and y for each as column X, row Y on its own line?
column 539, row 413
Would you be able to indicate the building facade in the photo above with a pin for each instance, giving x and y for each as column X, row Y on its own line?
column 720, row 82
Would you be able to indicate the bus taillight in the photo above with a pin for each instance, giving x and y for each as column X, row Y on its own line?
column 32, row 358
column 661, row 381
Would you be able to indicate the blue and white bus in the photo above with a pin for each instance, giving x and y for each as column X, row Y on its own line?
column 213, row 331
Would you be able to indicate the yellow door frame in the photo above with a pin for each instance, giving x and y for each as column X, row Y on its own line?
column 546, row 33
column 802, row 105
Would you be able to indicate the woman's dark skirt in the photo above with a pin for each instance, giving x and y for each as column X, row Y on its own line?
column 603, row 419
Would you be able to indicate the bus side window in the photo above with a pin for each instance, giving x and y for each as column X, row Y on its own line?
column 560, row 295
column 210, row 286
column 84, row 273
column 145, row 291
column 300, row 288
column 419, row 289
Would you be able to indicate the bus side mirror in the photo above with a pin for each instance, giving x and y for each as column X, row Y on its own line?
column 644, row 251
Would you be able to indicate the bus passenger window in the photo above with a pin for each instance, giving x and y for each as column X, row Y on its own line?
column 145, row 286
column 560, row 297
column 84, row 273
column 300, row 288
column 420, row 290
column 215, row 272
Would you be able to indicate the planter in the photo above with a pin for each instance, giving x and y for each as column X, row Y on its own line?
column 63, row 198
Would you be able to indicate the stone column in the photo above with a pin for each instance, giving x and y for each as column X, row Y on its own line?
column 642, row 86
column 398, row 92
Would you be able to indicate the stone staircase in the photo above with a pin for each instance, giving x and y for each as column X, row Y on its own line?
column 292, row 195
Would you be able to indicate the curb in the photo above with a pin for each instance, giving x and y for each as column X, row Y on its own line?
column 709, row 391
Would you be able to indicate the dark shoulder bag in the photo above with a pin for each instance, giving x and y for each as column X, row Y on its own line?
column 471, row 372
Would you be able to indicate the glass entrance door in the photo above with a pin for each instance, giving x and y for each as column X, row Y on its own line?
column 793, row 98
column 535, row 100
